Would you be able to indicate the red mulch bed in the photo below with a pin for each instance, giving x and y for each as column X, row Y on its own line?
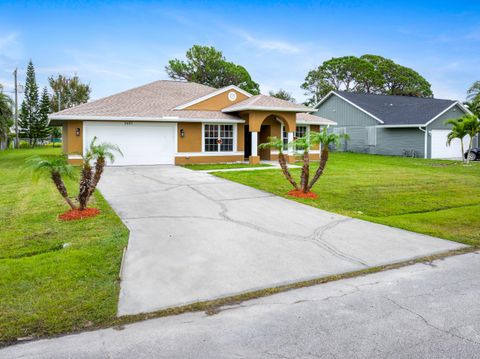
column 300, row 194
column 75, row 214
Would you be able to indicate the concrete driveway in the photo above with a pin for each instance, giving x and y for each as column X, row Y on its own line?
column 197, row 237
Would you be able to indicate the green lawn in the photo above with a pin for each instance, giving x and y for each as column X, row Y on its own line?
column 45, row 288
column 222, row 166
column 439, row 198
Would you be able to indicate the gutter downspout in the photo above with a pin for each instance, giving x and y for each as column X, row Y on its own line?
column 425, row 151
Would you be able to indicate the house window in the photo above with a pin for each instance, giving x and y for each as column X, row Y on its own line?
column 300, row 131
column 340, row 130
column 371, row 136
column 218, row 138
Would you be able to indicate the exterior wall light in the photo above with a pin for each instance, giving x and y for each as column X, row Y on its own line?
column 182, row 132
column 77, row 132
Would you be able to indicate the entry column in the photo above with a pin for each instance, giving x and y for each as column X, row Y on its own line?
column 254, row 158
column 290, row 152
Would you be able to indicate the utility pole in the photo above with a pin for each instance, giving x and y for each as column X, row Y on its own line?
column 17, row 139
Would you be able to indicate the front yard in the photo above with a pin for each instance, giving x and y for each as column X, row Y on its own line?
column 438, row 198
column 46, row 288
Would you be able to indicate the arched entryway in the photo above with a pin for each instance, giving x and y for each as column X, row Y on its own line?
column 262, row 125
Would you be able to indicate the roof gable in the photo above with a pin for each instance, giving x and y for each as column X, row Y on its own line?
column 397, row 110
column 216, row 100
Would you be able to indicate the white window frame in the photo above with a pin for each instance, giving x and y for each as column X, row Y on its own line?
column 307, row 132
column 371, row 141
column 234, row 149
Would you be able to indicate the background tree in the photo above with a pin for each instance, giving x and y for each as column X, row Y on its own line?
column 71, row 90
column 206, row 65
column 41, row 129
column 29, row 109
column 366, row 74
column 283, row 95
column 6, row 118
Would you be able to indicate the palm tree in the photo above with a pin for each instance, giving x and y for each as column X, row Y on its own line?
column 304, row 143
column 6, row 115
column 474, row 91
column 89, row 180
column 56, row 167
column 459, row 130
column 472, row 126
column 324, row 139
column 276, row 143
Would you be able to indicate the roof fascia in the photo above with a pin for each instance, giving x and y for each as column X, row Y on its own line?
column 266, row 108
column 144, row 119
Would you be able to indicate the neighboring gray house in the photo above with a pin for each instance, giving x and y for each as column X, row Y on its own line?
column 393, row 125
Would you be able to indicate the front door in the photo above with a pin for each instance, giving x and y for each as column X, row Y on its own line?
column 247, row 143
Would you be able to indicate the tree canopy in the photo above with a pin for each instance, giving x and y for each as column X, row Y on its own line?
column 6, row 117
column 368, row 74
column 28, row 117
column 71, row 90
column 207, row 65
column 473, row 97
column 282, row 94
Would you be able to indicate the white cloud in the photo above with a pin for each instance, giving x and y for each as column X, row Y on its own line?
column 7, row 41
column 269, row 45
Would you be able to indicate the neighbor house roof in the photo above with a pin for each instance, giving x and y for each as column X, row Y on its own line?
column 153, row 101
column 308, row 119
column 266, row 103
column 397, row 110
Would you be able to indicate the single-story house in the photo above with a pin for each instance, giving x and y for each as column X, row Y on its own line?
column 393, row 125
column 175, row 122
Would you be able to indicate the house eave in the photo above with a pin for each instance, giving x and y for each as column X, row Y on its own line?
column 267, row 108
column 402, row 126
column 142, row 119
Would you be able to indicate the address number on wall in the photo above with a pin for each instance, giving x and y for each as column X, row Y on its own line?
column 128, row 123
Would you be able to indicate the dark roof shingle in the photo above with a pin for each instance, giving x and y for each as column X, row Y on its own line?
column 398, row 110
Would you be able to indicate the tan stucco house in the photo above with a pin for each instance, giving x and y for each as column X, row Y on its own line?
column 174, row 122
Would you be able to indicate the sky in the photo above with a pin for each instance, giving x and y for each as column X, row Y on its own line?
column 118, row 45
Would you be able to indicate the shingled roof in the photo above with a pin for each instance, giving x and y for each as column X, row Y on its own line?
column 398, row 110
column 155, row 100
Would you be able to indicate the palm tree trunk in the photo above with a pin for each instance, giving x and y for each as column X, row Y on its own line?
column 57, row 179
column 321, row 167
column 286, row 172
column 470, row 145
column 305, row 172
column 85, row 183
column 463, row 152
column 99, row 167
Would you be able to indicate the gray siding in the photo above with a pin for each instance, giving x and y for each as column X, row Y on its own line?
column 394, row 141
column 438, row 124
column 344, row 114
column 354, row 120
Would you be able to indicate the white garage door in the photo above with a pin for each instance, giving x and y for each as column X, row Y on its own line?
column 440, row 148
column 140, row 143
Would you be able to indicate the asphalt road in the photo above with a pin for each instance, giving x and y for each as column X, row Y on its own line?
column 429, row 310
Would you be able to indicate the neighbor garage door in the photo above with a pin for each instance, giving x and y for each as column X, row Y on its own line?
column 440, row 148
column 140, row 143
